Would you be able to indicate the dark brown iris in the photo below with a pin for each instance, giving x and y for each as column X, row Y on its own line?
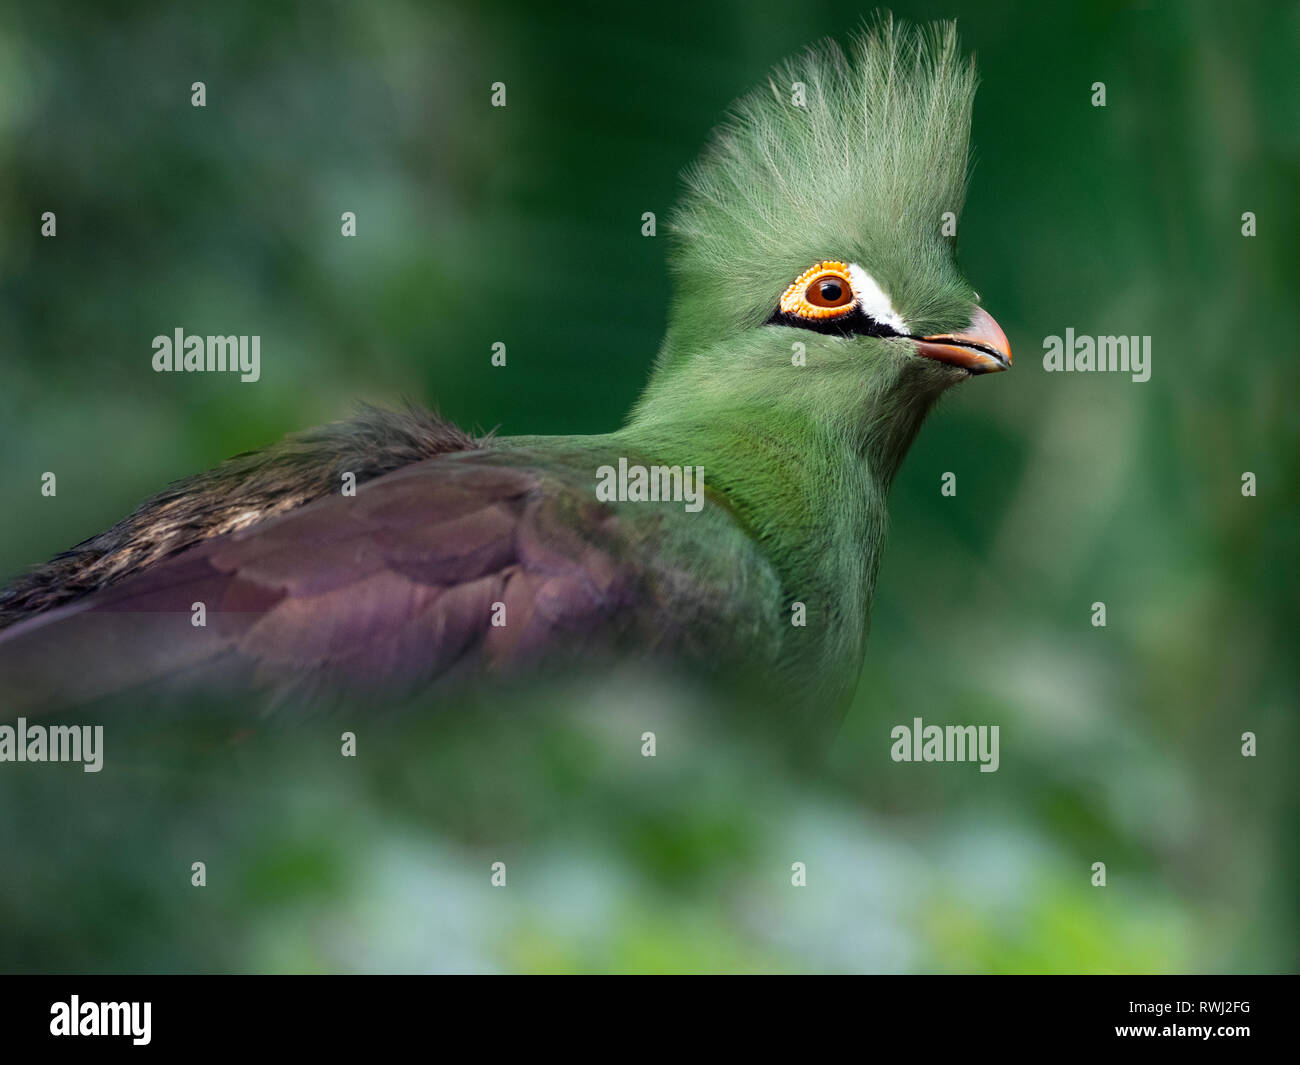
column 829, row 291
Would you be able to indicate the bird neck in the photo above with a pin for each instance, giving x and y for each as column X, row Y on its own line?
column 804, row 462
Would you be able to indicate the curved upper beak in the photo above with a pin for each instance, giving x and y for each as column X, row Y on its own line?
column 981, row 347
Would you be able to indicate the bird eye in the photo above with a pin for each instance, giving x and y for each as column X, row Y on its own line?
column 824, row 291
column 829, row 292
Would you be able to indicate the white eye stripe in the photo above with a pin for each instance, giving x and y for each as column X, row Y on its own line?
column 872, row 300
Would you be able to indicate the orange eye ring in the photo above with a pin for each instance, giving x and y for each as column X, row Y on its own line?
column 821, row 291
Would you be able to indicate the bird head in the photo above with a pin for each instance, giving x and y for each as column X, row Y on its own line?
column 813, row 251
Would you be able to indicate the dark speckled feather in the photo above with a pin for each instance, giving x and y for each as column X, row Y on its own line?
column 234, row 495
column 398, row 587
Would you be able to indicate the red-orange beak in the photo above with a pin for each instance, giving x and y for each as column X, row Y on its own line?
column 981, row 348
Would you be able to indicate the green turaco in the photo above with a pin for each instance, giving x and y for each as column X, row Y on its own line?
column 735, row 522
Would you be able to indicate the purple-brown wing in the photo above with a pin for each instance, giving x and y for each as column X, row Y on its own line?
column 443, row 567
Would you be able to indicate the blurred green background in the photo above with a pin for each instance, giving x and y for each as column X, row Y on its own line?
column 475, row 225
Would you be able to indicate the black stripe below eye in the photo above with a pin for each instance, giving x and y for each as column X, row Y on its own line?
column 855, row 323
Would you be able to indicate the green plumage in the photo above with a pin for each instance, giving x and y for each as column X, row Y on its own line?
column 863, row 172
column 805, row 454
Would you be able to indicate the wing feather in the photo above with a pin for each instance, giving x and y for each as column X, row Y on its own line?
column 390, row 588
